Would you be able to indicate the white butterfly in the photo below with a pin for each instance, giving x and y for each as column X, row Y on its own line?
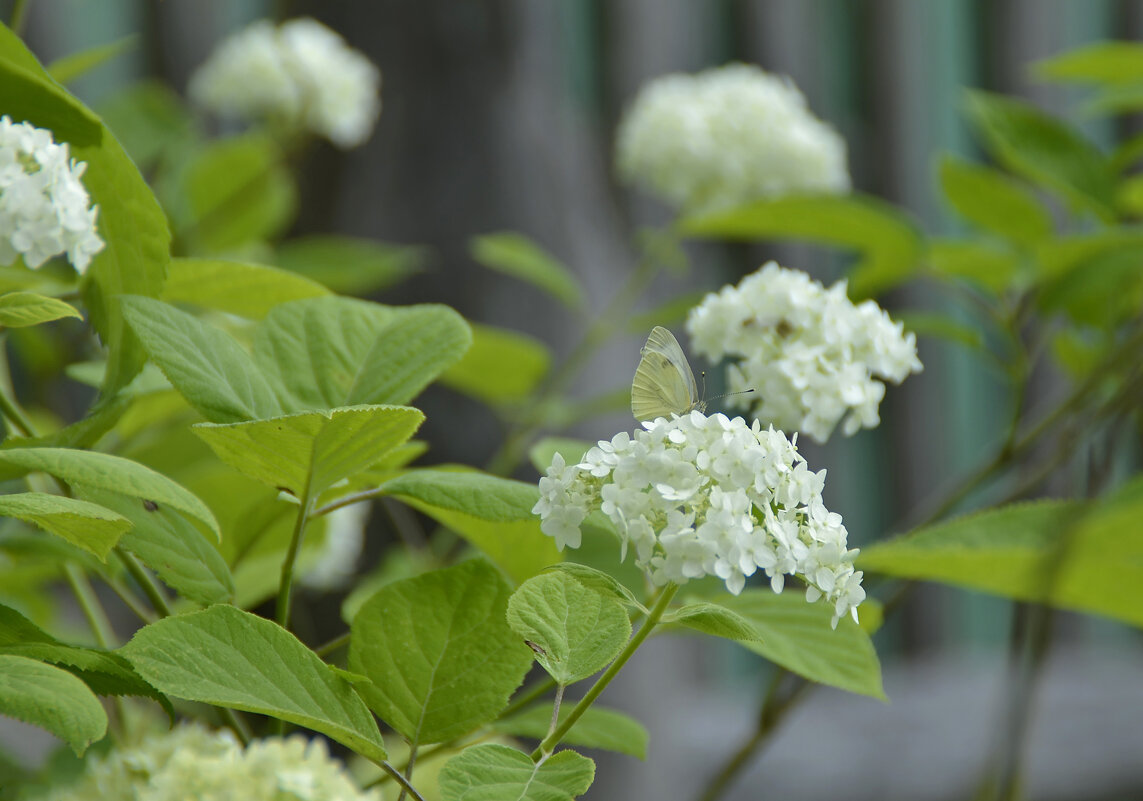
column 664, row 382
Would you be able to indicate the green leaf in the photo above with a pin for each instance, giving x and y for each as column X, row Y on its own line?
column 518, row 256
column 130, row 221
column 170, row 545
column 331, row 352
column 542, row 453
column 310, row 451
column 797, row 636
column 718, row 621
column 888, row 241
column 993, row 201
column 1101, row 63
column 86, row 525
column 500, row 366
column 1044, row 150
column 598, row 728
column 113, row 473
column 226, row 657
column 104, row 672
column 248, row 290
column 438, row 651
column 1101, row 291
column 19, row 309
column 603, row 583
column 52, row 699
column 149, row 118
column 495, row 772
column 1086, row 557
column 206, row 365
column 494, row 514
column 573, row 630
column 236, row 191
column 350, row 266
column 68, row 68
column 671, row 313
column 989, row 265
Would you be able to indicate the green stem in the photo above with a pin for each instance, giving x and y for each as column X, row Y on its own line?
column 19, row 18
column 129, row 599
column 89, row 604
column 347, row 500
column 328, row 648
column 406, row 786
column 530, row 696
column 8, row 406
column 145, row 582
column 287, row 580
column 552, row 740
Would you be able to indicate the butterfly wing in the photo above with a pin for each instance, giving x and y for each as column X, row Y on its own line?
column 663, row 380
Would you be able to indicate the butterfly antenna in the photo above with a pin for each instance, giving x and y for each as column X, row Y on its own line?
column 703, row 397
column 728, row 394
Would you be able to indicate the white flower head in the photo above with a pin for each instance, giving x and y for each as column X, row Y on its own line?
column 812, row 357
column 191, row 761
column 300, row 75
column 337, row 558
column 698, row 496
column 727, row 136
column 45, row 210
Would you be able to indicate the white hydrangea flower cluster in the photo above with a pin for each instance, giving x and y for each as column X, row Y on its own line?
column 727, row 136
column 811, row 356
column 191, row 761
column 336, row 560
column 298, row 75
column 44, row 208
column 699, row 496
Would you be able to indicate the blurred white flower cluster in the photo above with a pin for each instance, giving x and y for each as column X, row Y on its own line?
column 300, row 75
column 191, row 762
column 44, row 208
column 727, row 136
column 336, row 560
column 700, row 496
column 811, row 356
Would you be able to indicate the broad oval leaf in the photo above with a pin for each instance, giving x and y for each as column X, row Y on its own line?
column 603, row 583
column 718, row 621
column 515, row 254
column 989, row 264
column 573, row 630
column 500, row 366
column 248, row 290
column 438, row 651
column 331, row 352
column 52, row 699
column 227, row 657
column 1045, row 150
column 94, row 528
column 206, row 365
column 20, row 309
column 497, row 772
column 597, row 728
column 993, row 201
column 113, row 473
column 310, row 451
column 797, row 635
column 889, row 242
column 348, row 265
column 494, row 514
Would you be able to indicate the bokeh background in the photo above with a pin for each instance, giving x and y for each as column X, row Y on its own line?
column 500, row 114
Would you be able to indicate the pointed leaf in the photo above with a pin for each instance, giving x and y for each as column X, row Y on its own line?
column 311, row 450
column 797, row 636
column 500, row 366
column 718, row 621
column 993, row 201
column 52, row 699
column 248, row 290
column 889, row 242
column 573, row 630
column 170, row 545
column 206, row 365
column 331, row 352
column 497, row 773
column 985, row 263
column 69, row 67
column 19, row 309
column 516, row 255
column 598, row 728
column 438, row 651
column 1101, row 62
column 230, row 658
column 91, row 527
column 113, row 473
column 603, row 583
column 494, row 514
column 347, row 265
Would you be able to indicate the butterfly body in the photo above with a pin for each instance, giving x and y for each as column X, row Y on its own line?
column 664, row 383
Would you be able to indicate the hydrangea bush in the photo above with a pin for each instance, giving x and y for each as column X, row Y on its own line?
column 249, row 413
